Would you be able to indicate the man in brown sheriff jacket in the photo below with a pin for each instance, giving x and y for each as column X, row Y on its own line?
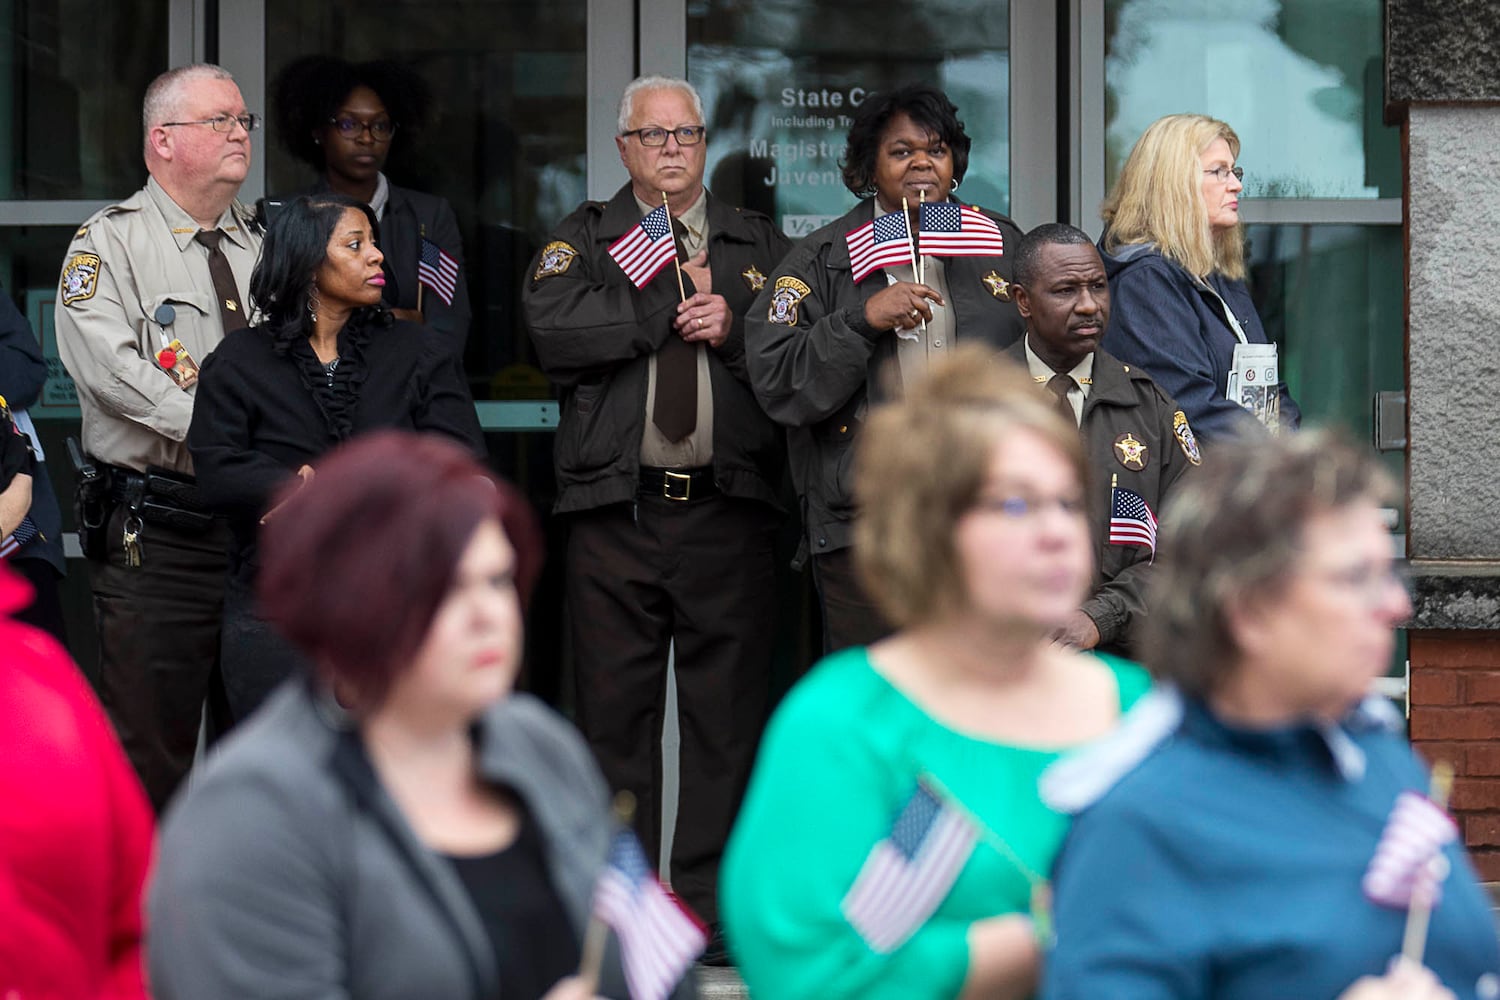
column 1137, row 441
column 668, row 472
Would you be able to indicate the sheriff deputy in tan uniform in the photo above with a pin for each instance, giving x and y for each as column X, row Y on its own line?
column 148, row 289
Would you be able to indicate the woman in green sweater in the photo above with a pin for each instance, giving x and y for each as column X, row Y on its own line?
column 892, row 843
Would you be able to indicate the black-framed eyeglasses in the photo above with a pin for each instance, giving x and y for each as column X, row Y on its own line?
column 687, row 135
column 1222, row 174
column 225, row 123
column 381, row 129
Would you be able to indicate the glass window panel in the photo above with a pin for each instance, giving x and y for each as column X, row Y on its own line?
column 1325, row 294
column 780, row 79
column 505, row 145
column 71, row 118
column 1301, row 81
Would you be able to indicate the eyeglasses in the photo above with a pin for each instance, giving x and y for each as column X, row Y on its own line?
column 1018, row 508
column 1371, row 582
column 225, row 123
column 687, row 135
column 381, row 129
column 1222, row 174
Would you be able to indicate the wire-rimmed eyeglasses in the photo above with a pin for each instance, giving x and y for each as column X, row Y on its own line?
column 225, row 123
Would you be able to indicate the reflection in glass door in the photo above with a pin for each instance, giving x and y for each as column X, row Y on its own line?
column 780, row 81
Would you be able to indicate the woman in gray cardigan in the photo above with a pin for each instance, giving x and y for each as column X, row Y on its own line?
column 400, row 825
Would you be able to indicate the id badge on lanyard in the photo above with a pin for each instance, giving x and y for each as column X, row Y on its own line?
column 1254, row 373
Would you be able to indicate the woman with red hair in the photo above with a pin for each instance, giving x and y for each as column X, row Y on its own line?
column 399, row 824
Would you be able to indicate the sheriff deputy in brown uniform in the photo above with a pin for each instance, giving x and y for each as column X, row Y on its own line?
column 148, row 289
column 667, row 470
column 1137, row 441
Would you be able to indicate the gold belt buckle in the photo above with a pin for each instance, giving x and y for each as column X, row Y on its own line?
column 669, row 479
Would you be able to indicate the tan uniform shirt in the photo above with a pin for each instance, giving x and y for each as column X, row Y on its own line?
column 124, row 263
column 1082, row 374
column 916, row 349
column 698, row 447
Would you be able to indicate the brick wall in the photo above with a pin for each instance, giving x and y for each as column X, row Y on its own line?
column 1455, row 716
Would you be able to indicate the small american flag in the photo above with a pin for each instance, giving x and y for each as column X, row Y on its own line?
column 1408, row 861
column 16, row 540
column 1131, row 521
column 908, row 874
column 950, row 230
column 882, row 241
column 646, row 248
column 438, row 271
column 659, row 937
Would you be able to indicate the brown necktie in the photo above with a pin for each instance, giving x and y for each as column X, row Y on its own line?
column 675, row 412
column 1059, row 386
column 231, row 311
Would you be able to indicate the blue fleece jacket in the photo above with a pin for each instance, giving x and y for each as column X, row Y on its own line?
column 1162, row 320
column 1228, row 865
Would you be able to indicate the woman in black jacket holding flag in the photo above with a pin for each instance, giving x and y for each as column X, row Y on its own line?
column 849, row 299
column 342, row 119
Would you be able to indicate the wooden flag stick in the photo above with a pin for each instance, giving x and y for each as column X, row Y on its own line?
column 596, row 934
column 911, row 245
column 421, row 235
column 681, row 288
column 1419, row 913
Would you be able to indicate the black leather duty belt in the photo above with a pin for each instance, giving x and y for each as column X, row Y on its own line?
column 169, row 499
column 678, row 484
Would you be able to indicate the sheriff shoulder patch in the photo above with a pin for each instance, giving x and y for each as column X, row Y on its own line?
column 789, row 291
column 1185, row 437
column 80, row 278
column 557, row 257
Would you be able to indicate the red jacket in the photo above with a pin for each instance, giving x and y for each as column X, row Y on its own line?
column 75, row 828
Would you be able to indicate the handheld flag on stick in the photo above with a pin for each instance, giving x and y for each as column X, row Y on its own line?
column 438, row 271
column 646, row 247
column 1130, row 519
column 659, row 936
column 950, row 230
column 1408, row 866
column 909, row 873
column 882, row 241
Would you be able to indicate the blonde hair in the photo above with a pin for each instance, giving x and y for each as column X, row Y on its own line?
column 921, row 463
column 1159, row 198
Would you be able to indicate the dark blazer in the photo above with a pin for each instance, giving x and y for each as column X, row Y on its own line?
column 257, row 420
column 407, row 214
column 286, row 869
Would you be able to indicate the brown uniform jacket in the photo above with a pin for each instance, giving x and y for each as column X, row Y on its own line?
column 1124, row 401
column 595, row 332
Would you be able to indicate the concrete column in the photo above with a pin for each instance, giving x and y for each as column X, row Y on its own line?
column 1442, row 89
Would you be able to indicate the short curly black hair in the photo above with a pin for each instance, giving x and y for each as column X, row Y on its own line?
column 924, row 104
column 307, row 92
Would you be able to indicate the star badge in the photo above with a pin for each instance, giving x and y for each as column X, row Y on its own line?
column 1130, row 452
column 753, row 278
column 998, row 286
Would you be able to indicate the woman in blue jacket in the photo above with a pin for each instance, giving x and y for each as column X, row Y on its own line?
column 1174, row 249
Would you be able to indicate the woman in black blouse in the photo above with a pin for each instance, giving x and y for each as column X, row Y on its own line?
column 325, row 362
